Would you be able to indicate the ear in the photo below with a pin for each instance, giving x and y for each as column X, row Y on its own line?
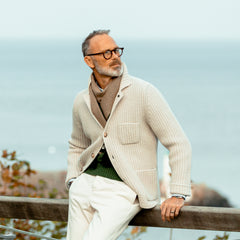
column 88, row 60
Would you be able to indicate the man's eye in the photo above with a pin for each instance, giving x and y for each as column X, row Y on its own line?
column 116, row 50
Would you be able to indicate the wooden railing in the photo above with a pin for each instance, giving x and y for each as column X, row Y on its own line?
column 191, row 217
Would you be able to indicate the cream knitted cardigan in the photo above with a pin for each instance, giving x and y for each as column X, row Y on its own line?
column 140, row 116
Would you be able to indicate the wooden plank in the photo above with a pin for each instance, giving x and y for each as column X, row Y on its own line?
column 191, row 217
column 34, row 208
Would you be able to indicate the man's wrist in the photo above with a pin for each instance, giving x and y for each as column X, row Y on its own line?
column 179, row 196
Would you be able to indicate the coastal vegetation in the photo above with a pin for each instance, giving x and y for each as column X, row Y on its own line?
column 16, row 181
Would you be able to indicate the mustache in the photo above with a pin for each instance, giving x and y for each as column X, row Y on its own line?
column 115, row 62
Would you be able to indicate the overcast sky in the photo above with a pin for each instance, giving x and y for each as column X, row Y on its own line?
column 153, row 19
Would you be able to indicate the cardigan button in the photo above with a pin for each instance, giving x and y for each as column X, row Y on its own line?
column 92, row 155
column 105, row 134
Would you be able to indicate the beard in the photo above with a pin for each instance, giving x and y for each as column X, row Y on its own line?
column 108, row 71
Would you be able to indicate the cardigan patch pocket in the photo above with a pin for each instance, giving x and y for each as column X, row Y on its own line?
column 129, row 133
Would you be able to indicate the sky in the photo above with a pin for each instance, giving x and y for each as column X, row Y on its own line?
column 127, row 19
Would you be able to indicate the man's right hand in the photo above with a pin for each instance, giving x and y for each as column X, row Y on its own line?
column 170, row 208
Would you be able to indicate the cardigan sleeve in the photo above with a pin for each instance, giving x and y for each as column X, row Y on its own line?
column 77, row 144
column 171, row 135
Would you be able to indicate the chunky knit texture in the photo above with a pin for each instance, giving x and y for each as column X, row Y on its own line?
column 140, row 116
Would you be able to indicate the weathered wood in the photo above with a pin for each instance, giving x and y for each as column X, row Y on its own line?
column 191, row 217
column 34, row 208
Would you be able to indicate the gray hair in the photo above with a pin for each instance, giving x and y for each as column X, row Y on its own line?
column 85, row 44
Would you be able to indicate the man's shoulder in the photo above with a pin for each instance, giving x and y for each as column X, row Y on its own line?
column 138, row 82
column 143, row 87
column 81, row 93
column 80, row 96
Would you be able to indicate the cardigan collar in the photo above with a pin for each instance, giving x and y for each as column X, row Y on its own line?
column 125, row 82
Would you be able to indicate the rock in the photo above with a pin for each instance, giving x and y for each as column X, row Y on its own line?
column 205, row 196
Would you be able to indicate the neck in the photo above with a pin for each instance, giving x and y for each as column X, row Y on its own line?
column 103, row 81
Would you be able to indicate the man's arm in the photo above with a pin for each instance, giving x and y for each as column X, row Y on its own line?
column 169, row 132
column 77, row 144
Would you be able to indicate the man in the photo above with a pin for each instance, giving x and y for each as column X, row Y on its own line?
column 112, row 161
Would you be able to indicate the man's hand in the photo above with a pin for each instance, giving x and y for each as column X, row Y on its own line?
column 170, row 208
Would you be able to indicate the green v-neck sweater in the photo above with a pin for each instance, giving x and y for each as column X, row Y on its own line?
column 102, row 166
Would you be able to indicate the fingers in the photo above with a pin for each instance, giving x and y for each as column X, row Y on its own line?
column 171, row 208
column 166, row 212
column 172, row 213
column 177, row 211
column 163, row 211
column 168, row 215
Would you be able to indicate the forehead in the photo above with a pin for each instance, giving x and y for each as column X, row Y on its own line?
column 101, row 43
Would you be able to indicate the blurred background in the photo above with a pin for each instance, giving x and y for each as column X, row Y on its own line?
column 190, row 50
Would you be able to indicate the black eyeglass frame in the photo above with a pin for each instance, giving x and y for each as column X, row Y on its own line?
column 111, row 51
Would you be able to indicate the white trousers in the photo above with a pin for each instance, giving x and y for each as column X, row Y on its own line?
column 99, row 208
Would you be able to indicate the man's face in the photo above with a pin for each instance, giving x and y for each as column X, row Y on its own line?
column 111, row 67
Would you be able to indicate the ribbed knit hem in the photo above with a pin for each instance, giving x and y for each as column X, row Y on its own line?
column 180, row 189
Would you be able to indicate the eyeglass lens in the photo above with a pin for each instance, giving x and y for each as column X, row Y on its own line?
column 117, row 51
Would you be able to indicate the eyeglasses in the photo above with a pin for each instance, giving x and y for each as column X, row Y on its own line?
column 108, row 54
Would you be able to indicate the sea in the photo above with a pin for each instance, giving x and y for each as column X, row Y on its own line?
column 200, row 80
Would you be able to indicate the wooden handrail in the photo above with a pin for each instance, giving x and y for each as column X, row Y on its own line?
column 191, row 217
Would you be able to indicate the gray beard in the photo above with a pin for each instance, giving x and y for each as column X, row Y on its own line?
column 109, row 72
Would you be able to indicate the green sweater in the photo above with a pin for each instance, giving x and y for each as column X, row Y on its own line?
column 102, row 166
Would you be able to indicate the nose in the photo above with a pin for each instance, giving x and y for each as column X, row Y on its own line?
column 114, row 55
